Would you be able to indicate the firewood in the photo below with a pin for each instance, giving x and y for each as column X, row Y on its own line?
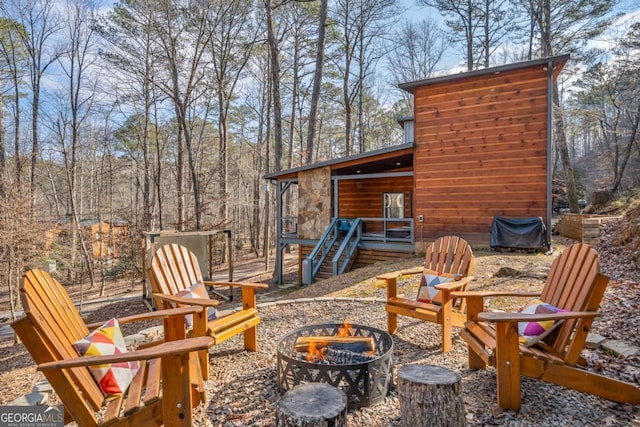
column 355, row 344
column 346, row 357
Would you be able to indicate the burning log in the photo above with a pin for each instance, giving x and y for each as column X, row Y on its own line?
column 346, row 357
column 355, row 344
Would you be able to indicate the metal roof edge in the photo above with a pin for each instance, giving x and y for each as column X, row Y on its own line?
column 410, row 86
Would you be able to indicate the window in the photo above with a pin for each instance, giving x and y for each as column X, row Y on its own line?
column 393, row 205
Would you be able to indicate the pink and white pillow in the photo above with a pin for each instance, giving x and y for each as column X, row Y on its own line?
column 532, row 332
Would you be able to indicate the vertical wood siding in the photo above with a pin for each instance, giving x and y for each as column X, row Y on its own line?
column 481, row 150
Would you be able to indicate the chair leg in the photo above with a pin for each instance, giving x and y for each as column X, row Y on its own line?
column 446, row 337
column 392, row 322
column 250, row 335
column 445, row 312
column 251, row 339
column 508, row 365
column 475, row 361
column 176, row 391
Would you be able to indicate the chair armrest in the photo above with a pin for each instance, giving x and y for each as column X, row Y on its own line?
column 487, row 294
column 530, row 317
column 160, row 314
column 202, row 302
column 452, row 286
column 238, row 284
column 164, row 349
column 396, row 274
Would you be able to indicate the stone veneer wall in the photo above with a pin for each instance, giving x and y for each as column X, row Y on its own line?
column 314, row 202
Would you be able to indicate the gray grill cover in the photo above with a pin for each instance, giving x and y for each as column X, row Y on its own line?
column 518, row 233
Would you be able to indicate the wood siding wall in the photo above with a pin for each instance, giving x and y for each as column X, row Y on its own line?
column 362, row 198
column 481, row 150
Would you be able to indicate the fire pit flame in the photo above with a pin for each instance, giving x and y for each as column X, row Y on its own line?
column 340, row 348
column 356, row 359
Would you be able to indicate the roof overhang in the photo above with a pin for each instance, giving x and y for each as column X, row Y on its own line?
column 557, row 62
column 383, row 160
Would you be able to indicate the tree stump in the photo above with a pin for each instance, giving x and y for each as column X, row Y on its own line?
column 430, row 396
column 312, row 405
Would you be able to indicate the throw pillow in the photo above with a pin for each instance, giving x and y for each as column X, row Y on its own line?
column 532, row 332
column 112, row 378
column 197, row 290
column 427, row 291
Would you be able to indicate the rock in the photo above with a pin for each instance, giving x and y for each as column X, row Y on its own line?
column 507, row 272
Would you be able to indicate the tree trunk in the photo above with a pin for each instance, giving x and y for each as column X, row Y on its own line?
column 563, row 148
column 430, row 396
column 312, row 405
column 317, row 82
column 275, row 87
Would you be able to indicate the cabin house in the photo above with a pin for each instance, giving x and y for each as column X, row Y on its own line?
column 107, row 238
column 480, row 147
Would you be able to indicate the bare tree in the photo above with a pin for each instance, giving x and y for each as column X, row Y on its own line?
column 465, row 18
column 610, row 105
column 131, row 50
column 363, row 26
column 496, row 25
column 38, row 24
column 12, row 64
column 301, row 20
column 231, row 43
column 317, row 81
column 182, row 32
column 76, row 63
column 417, row 52
column 565, row 26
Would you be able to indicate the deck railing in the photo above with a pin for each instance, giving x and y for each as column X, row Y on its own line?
column 387, row 230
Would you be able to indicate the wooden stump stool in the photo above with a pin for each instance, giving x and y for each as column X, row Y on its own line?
column 312, row 405
column 430, row 396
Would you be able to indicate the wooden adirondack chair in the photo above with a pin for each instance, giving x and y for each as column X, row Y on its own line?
column 574, row 283
column 175, row 268
column 165, row 388
column 451, row 255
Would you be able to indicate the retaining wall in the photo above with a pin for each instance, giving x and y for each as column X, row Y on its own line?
column 582, row 227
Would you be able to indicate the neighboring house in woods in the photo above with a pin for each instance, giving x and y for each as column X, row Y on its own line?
column 107, row 238
column 480, row 147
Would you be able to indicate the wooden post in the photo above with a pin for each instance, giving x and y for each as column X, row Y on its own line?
column 312, row 405
column 430, row 396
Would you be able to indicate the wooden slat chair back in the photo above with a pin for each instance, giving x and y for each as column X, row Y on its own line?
column 50, row 327
column 175, row 268
column 448, row 254
column 574, row 283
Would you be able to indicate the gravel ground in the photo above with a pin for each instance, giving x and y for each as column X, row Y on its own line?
column 242, row 389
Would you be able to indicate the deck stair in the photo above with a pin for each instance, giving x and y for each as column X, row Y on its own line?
column 335, row 252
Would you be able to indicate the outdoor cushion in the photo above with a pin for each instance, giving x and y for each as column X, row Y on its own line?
column 112, row 378
column 532, row 332
column 197, row 290
column 427, row 291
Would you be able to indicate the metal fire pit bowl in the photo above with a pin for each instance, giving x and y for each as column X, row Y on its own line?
column 365, row 384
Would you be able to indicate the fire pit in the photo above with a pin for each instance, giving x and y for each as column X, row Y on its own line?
column 354, row 358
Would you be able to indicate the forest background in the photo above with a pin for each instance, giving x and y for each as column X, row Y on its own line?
column 166, row 114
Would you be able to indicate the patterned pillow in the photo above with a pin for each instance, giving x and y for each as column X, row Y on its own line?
column 112, row 378
column 427, row 291
column 197, row 290
column 532, row 332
